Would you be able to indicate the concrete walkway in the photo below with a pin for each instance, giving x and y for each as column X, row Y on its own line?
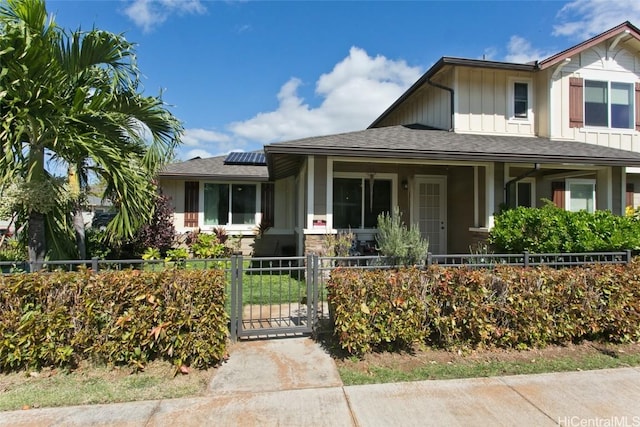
column 293, row 382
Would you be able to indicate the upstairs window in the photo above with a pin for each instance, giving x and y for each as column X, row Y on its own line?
column 608, row 104
column 520, row 100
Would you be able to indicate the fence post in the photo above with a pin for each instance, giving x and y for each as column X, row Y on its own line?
column 429, row 259
column 94, row 264
column 312, row 287
column 628, row 251
column 526, row 258
column 233, row 321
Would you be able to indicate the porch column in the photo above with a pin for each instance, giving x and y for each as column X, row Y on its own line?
column 310, row 191
column 604, row 189
column 329, row 194
column 490, row 195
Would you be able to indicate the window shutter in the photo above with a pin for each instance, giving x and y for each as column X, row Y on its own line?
column 638, row 106
column 630, row 191
column 576, row 102
column 191, row 208
column 558, row 192
column 267, row 203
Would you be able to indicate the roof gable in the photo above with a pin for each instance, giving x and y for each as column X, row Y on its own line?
column 621, row 34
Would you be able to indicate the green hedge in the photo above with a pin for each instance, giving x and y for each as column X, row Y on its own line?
column 553, row 230
column 126, row 317
column 508, row 307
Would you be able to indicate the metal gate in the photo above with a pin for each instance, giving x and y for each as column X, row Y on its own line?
column 274, row 296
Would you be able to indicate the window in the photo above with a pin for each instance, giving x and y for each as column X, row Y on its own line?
column 356, row 205
column 608, row 104
column 519, row 99
column 520, row 193
column 581, row 195
column 226, row 204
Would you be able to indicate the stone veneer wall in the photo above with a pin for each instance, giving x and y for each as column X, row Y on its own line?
column 314, row 244
column 479, row 239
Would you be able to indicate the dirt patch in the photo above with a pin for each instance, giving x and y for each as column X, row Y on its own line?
column 408, row 361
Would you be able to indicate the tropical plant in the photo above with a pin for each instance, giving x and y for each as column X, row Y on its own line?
column 75, row 96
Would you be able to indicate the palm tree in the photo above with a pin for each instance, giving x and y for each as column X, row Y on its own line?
column 75, row 96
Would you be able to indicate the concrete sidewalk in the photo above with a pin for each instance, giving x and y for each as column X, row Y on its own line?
column 293, row 382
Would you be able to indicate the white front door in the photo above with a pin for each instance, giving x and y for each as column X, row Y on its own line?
column 430, row 210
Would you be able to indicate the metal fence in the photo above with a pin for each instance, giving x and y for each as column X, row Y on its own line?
column 489, row 260
column 283, row 296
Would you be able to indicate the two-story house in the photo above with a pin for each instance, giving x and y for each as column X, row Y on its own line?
column 469, row 137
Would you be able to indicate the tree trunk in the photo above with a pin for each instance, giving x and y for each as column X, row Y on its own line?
column 37, row 238
column 37, row 225
column 78, row 227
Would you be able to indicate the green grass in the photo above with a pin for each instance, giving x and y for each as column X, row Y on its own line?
column 475, row 369
column 93, row 385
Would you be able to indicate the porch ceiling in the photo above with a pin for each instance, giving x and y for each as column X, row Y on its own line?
column 419, row 142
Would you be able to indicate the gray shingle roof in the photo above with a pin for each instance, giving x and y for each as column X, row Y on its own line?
column 419, row 142
column 214, row 168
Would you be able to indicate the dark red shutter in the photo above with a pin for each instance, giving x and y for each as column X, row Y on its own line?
column 191, row 208
column 558, row 192
column 576, row 102
column 629, row 198
column 267, row 203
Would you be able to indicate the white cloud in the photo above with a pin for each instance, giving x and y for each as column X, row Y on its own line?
column 581, row 19
column 148, row 14
column 520, row 50
column 208, row 143
column 195, row 137
column 354, row 93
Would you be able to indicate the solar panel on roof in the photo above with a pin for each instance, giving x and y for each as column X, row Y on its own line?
column 243, row 158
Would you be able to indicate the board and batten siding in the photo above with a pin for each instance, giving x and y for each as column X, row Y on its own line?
column 593, row 64
column 429, row 106
column 483, row 102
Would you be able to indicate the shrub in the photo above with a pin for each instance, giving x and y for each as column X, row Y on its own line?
column 376, row 308
column 120, row 317
column 553, row 230
column 403, row 245
column 507, row 307
column 208, row 246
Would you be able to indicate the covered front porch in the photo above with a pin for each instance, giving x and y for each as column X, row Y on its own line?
column 452, row 203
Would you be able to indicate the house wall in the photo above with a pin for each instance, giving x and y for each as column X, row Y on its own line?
column 429, row 106
column 596, row 63
column 460, row 209
column 483, row 102
column 542, row 88
column 174, row 189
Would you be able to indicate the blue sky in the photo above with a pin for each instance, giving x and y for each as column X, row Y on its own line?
column 240, row 74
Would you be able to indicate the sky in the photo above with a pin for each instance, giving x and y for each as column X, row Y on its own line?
column 241, row 74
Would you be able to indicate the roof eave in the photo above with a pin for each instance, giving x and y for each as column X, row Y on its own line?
column 460, row 156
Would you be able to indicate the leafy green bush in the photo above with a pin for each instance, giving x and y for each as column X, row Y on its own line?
column 13, row 250
column 553, row 230
column 508, row 307
column 120, row 317
column 208, row 246
column 403, row 245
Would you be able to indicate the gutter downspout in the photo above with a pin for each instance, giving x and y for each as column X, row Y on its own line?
column 439, row 86
column 536, row 167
